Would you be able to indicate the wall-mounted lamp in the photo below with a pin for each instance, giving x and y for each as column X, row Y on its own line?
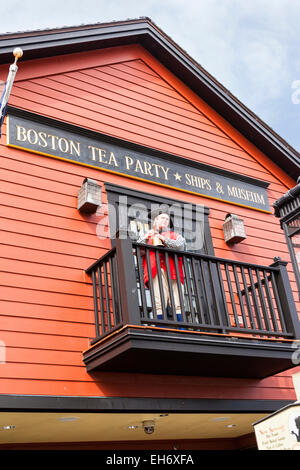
column 234, row 229
column 89, row 196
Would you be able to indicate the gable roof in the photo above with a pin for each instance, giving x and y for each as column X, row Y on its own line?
column 66, row 40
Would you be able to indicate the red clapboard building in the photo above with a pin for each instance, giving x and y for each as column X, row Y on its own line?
column 106, row 125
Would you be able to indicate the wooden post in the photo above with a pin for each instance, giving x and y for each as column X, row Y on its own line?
column 130, row 311
column 286, row 298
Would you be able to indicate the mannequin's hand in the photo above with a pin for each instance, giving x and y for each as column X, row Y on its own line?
column 161, row 237
column 150, row 233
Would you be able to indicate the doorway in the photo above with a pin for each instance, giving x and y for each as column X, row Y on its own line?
column 131, row 214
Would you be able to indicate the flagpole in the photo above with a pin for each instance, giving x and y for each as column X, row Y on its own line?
column 9, row 83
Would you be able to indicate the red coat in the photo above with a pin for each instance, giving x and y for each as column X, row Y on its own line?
column 172, row 236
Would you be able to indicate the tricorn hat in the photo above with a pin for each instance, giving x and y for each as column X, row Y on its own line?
column 162, row 209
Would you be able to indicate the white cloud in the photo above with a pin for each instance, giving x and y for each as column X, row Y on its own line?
column 251, row 47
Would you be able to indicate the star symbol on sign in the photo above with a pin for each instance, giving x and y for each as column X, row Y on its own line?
column 177, row 176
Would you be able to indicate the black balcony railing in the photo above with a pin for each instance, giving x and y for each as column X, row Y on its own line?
column 218, row 295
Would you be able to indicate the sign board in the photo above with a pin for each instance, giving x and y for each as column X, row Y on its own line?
column 147, row 165
column 279, row 431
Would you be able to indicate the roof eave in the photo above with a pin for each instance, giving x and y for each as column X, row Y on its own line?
column 68, row 40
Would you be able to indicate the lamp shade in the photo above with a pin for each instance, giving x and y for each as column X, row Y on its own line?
column 234, row 229
column 89, row 196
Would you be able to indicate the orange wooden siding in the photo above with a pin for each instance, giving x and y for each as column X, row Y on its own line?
column 46, row 299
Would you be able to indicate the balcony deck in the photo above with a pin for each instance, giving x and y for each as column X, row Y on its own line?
column 235, row 319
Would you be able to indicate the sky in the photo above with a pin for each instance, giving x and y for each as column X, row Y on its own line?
column 252, row 47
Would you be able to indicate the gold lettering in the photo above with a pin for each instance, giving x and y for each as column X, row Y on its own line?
column 206, row 183
column 187, row 179
column 246, row 195
column 241, row 193
column 93, row 151
column 107, row 157
column 250, row 196
column 194, row 180
column 156, row 166
column 32, row 136
column 63, row 145
column 165, row 170
column 42, row 141
column 73, row 147
column 147, row 167
column 260, row 199
column 138, row 167
column 232, row 191
column 112, row 160
column 197, row 181
column 129, row 162
column 53, row 137
column 102, row 155
column 21, row 134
